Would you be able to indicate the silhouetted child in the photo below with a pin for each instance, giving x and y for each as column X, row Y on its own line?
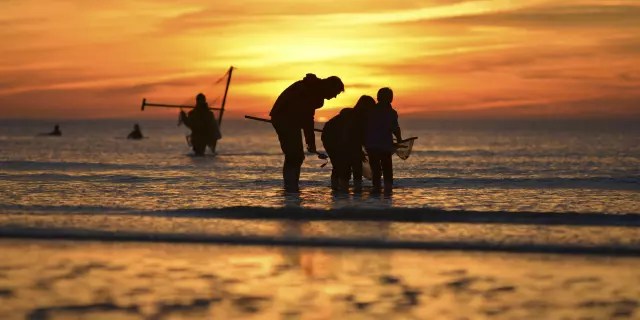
column 342, row 137
column 380, row 127
column 136, row 134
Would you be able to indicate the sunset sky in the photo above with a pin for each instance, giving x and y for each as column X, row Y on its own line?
column 443, row 58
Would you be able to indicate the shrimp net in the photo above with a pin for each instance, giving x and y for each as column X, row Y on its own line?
column 403, row 151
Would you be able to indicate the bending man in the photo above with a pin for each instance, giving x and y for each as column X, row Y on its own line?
column 293, row 111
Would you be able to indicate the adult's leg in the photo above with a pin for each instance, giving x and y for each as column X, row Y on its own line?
column 355, row 168
column 356, row 165
column 213, row 144
column 290, row 138
column 334, row 158
column 335, row 172
column 340, row 169
column 376, row 169
column 198, row 144
column 344, row 173
column 387, row 171
column 335, row 178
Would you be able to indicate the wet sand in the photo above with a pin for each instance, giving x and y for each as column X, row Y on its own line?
column 114, row 280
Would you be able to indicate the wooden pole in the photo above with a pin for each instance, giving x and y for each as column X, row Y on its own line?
column 314, row 129
column 224, row 101
column 159, row 105
column 269, row 121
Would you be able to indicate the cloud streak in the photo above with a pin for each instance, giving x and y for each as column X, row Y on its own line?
column 442, row 57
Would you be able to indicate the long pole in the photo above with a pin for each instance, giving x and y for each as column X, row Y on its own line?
column 314, row 129
column 269, row 121
column 224, row 99
column 160, row 105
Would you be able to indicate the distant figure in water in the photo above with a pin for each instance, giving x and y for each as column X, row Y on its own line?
column 343, row 138
column 136, row 134
column 293, row 111
column 204, row 127
column 381, row 125
column 56, row 131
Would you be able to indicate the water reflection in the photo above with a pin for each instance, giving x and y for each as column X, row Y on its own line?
column 291, row 200
column 44, row 280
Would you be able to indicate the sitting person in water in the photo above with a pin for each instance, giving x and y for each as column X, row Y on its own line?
column 136, row 134
column 342, row 137
column 56, row 131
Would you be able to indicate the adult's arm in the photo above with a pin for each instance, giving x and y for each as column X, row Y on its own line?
column 309, row 134
column 184, row 119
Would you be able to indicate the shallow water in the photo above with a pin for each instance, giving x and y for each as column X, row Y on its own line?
column 468, row 187
column 485, row 166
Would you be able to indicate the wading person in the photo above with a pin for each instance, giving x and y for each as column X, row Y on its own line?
column 293, row 112
column 343, row 138
column 380, row 126
column 204, row 127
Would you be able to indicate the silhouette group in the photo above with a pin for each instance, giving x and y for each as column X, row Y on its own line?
column 366, row 130
column 369, row 124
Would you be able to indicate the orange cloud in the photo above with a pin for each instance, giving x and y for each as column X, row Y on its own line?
column 444, row 58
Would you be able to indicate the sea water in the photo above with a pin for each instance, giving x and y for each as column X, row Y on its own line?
column 507, row 166
column 567, row 191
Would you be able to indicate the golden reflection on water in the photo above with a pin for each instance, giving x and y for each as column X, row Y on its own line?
column 133, row 280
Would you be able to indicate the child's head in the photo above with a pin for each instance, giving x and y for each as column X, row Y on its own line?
column 385, row 95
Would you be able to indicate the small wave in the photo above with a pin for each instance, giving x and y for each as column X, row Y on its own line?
column 62, row 209
column 532, row 155
column 606, row 183
column 455, row 153
column 46, row 165
column 249, row 154
column 417, row 215
column 369, row 243
column 414, row 215
column 105, row 178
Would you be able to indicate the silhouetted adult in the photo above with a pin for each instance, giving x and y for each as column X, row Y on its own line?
column 136, row 134
column 381, row 125
column 293, row 111
column 56, row 131
column 343, row 138
column 204, row 127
